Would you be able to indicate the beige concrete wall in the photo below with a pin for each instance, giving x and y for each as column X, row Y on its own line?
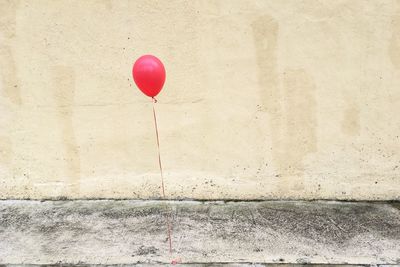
column 263, row 99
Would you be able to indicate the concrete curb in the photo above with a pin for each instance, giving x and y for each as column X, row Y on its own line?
column 110, row 232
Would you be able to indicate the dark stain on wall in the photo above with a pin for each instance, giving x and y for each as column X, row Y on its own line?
column 64, row 90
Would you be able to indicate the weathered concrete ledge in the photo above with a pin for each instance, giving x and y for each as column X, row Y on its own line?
column 110, row 232
column 205, row 265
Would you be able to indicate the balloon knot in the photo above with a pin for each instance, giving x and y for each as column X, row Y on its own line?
column 154, row 99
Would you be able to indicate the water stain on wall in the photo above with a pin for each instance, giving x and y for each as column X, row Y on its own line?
column 265, row 34
column 10, row 88
column 394, row 45
column 301, row 121
column 8, row 70
column 107, row 4
column 5, row 150
column 292, row 119
column 64, row 91
column 351, row 120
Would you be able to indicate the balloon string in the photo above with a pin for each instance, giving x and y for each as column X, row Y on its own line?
column 162, row 177
column 158, row 149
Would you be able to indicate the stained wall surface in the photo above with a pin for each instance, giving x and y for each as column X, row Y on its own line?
column 263, row 99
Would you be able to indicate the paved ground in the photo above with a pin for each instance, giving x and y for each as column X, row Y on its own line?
column 209, row 265
column 112, row 232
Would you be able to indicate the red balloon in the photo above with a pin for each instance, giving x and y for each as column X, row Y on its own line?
column 149, row 75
